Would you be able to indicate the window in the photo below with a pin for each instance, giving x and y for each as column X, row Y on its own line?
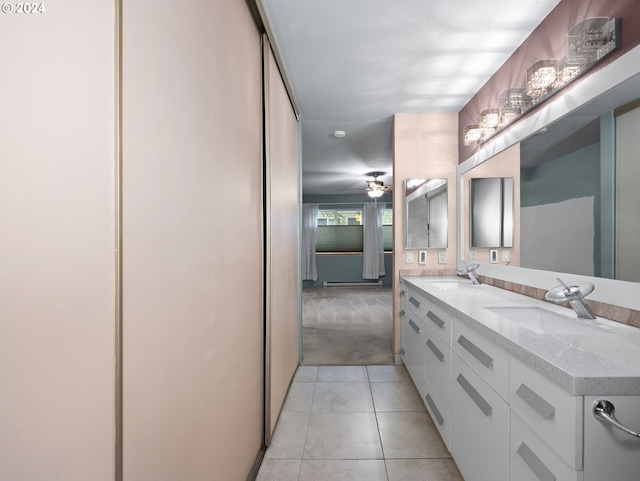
column 340, row 229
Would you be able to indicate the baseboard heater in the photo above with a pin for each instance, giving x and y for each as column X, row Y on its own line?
column 371, row 283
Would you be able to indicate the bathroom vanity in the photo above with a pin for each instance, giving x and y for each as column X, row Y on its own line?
column 511, row 382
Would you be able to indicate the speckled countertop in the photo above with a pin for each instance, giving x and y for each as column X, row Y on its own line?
column 603, row 359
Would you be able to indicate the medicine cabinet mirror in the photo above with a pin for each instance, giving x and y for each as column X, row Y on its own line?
column 426, row 209
column 491, row 212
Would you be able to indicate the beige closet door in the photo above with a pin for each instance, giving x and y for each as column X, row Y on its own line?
column 192, row 241
column 283, row 282
column 627, row 195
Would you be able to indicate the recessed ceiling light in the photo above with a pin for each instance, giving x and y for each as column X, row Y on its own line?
column 338, row 134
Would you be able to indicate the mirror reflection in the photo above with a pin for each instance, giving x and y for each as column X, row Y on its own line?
column 426, row 208
column 492, row 212
column 578, row 196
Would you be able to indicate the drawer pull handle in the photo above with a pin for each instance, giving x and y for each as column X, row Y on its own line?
column 433, row 407
column 435, row 319
column 402, row 351
column 484, row 406
column 604, row 411
column 434, row 349
column 403, row 292
column 475, row 351
column 414, row 301
column 537, row 403
column 402, row 313
column 535, row 464
column 414, row 326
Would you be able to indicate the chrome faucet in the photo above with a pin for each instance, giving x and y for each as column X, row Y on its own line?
column 573, row 295
column 469, row 270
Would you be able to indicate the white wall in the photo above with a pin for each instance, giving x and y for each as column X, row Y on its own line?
column 57, row 261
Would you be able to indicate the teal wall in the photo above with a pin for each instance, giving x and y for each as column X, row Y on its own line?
column 572, row 176
column 346, row 268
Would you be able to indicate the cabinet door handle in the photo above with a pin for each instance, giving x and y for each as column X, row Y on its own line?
column 435, row 410
column 435, row 319
column 477, row 398
column 414, row 301
column 604, row 411
column 402, row 313
column 537, row 403
column 434, row 349
column 475, row 351
column 535, row 464
column 414, row 326
column 403, row 292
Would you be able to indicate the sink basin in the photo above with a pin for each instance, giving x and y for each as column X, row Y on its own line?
column 542, row 321
column 452, row 285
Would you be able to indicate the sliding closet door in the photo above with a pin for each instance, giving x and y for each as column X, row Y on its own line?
column 57, row 242
column 192, row 241
column 282, row 215
column 627, row 195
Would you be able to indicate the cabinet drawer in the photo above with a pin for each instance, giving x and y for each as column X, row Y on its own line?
column 479, row 426
column 551, row 412
column 439, row 412
column 413, row 350
column 489, row 361
column 432, row 315
column 437, row 366
column 533, row 460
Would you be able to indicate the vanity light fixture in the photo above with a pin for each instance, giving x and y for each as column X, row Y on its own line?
column 541, row 78
column 489, row 118
column 588, row 43
column 472, row 134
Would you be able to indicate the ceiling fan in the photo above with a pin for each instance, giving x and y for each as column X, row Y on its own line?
column 376, row 188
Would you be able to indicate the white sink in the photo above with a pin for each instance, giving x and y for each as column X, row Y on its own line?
column 542, row 321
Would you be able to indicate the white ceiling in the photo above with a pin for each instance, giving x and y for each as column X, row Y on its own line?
column 352, row 64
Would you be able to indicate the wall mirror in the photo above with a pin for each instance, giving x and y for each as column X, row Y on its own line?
column 491, row 204
column 426, row 209
column 570, row 190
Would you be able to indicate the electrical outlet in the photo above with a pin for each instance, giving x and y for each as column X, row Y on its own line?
column 506, row 256
column 408, row 257
column 473, row 256
column 442, row 257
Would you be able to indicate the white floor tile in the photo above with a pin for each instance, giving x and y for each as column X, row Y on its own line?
column 279, row 470
column 343, row 436
column 289, row 436
column 342, row 374
column 352, row 470
column 396, row 396
column 342, row 397
column 410, row 435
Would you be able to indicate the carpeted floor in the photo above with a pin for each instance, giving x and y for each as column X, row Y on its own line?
column 347, row 326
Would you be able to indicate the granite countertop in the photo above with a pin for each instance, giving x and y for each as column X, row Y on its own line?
column 602, row 357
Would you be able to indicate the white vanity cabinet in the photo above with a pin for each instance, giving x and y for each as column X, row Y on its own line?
column 479, row 427
column 426, row 352
column 512, row 405
column 550, row 412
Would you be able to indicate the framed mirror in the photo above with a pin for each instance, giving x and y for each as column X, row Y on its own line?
column 491, row 212
column 426, row 209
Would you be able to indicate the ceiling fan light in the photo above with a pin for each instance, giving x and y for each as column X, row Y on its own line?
column 376, row 193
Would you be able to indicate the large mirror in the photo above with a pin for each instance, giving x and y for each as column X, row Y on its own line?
column 578, row 183
column 426, row 208
column 491, row 212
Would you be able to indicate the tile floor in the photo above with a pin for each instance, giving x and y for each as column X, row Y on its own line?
column 356, row 423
